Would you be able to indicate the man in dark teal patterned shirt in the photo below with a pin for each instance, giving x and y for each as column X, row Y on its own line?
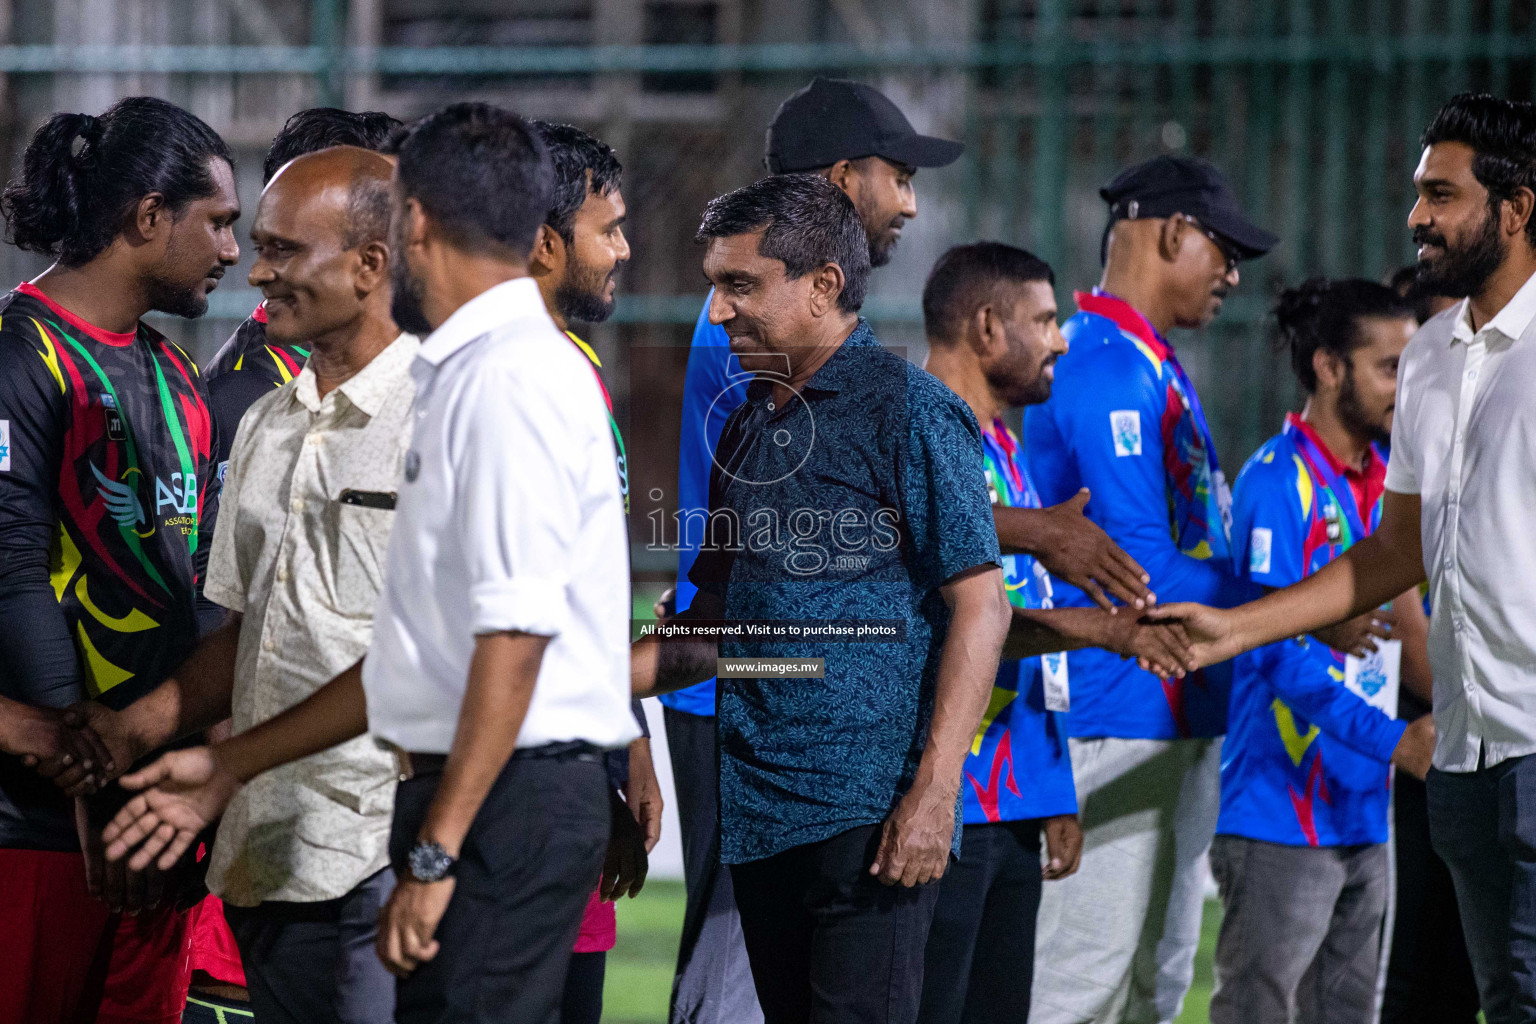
column 847, row 491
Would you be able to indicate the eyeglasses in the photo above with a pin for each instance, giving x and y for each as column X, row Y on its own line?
column 1228, row 251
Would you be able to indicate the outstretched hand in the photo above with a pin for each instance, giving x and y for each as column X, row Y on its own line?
column 184, row 792
column 1077, row 551
column 1207, row 631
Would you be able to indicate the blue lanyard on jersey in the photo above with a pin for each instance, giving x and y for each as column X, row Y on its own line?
column 1326, row 478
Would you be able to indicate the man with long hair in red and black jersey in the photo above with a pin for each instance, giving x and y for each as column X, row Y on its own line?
column 108, row 495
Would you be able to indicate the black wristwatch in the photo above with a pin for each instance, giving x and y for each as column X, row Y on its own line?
column 429, row 862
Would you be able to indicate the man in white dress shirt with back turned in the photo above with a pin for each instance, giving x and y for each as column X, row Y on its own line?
column 1460, row 500
column 499, row 666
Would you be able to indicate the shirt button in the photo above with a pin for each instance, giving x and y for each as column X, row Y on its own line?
column 270, row 644
column 1471, row 375
column 297, row 504
column 282, row 575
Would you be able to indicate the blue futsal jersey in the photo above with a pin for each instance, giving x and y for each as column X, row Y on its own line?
column 1306, row 759
column 1124, row 420
column 1018, row 767
column 714, row 387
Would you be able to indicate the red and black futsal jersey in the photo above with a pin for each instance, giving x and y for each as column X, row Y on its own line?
column 245, row 368
column 108, row 496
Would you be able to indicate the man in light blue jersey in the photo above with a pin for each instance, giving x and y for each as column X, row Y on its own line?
column 1301, row 844
column 1117, row 941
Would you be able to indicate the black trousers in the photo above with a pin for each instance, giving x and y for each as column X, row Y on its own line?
column 317, row 961
column 582, row 1002
column 828, row 943
column 1429, row 976
column 524, row 876
column 980, row 959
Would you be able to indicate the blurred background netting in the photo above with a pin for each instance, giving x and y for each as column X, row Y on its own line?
column 1313, row 107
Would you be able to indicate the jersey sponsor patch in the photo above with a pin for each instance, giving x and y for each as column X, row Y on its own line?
column 1125, row 426
column 5, row 446
column 1260, row 542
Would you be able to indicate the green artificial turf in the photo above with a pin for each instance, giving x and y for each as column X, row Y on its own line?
column 640, row 966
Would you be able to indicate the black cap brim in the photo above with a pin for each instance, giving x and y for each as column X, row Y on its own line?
column 922, row 151
column 1252, row 241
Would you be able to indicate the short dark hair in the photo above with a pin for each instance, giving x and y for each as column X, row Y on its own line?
column 480, row 172
column 82, row 175
column 809, row 223
column 573, row 153
column 323, row 127
column 968, row 276
column 1326, row 315
column 1502, row 134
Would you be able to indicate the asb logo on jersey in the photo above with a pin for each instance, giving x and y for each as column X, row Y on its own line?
column 179, row 497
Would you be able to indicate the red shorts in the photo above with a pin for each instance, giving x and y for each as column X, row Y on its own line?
column 69, row 960
column 213, row 945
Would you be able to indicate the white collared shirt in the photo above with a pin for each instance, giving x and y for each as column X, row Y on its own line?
column 304, row 568
column 510, row 520
column 1464, row 440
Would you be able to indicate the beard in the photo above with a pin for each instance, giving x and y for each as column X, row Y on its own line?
column 581, row 296
column 176, row 299
column 1017, row 379
column 1352, row 412
column 1464, row 269
column 882, row 242
column 405, row 302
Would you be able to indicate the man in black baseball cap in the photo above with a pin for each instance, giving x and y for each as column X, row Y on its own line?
column 860, row 141
column 854, row 136
column 1116, row 942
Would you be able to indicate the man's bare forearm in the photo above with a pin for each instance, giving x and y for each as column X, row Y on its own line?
column 1366, row 576
column 660, row 665
column 1034, row 631
column 195, row 697
column 502, row 675
column 979, row 616
column 1019, row 530
column 332, row 714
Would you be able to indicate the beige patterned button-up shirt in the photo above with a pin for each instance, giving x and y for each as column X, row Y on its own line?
column 299, row 551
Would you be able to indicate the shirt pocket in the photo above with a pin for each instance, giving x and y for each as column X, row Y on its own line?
column 362, row 538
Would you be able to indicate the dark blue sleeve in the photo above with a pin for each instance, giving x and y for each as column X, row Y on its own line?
column 943, row 487
column 1292, row 669
column 38, row 663
column 715, row 386
column 1114, row 385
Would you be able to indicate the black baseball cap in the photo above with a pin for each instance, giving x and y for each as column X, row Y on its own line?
column 1166, row 185
column 834, row 119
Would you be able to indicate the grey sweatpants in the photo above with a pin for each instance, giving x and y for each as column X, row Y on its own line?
column 1300, row 933
column 1116, row 941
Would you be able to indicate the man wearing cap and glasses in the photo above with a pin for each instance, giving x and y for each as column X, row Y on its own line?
column 1117, row 941
column 855, row 137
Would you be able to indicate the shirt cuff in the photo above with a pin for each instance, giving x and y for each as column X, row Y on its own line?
column 524, row 605
column 224, row 596
column 1400, row 478
column 1387, row 739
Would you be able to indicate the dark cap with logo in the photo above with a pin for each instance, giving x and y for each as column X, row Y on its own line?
column 1166, row 185
column 834, row 119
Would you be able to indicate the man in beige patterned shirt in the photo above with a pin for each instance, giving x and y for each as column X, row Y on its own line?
column 301, row 858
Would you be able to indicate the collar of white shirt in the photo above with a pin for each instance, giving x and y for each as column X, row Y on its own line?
column 500, row 304
column 368, row 387
column 1511, row 321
